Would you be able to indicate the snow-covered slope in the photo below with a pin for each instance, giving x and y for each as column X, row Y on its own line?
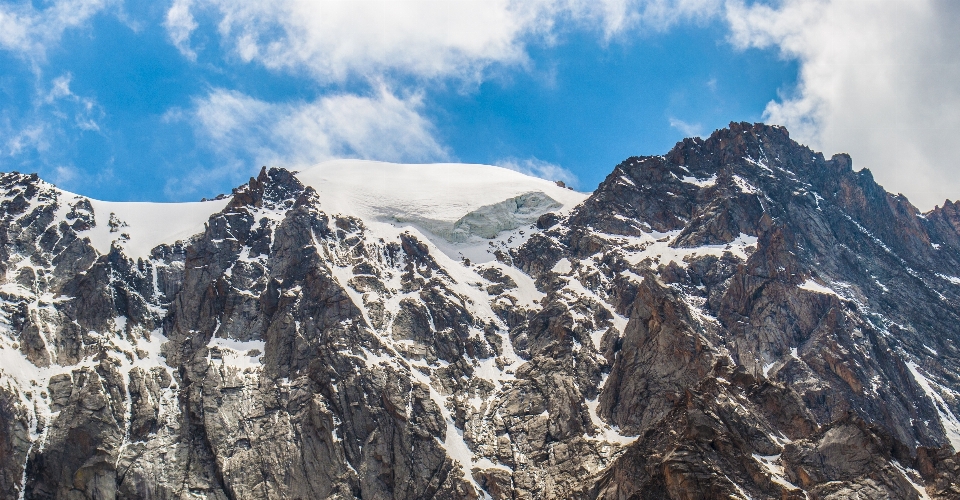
column 461, row 208
column 441, row 191
column 432, row 197
column 140, row 226
column 137, row 227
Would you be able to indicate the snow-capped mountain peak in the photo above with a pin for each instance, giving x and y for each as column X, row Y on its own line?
column 738, row 318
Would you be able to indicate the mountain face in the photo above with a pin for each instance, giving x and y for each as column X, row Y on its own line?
column 739, row 318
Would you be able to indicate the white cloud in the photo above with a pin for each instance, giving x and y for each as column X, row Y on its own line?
column 877, row 80
column 64, row 175
column 85, row 110
column 541, row 169
column 335, row 39
column 381, row 126
column 55, row 115
column 180, row 25
column 30, row 32
column 244, row 131
column 687, row 129
column 34, row 136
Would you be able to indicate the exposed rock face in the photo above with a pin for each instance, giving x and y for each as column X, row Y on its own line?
column 738, row 318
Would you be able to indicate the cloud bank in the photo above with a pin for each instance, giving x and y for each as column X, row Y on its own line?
column 334, row 39
column 879, row 80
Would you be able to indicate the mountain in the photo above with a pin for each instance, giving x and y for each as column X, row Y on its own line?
column 739, row 318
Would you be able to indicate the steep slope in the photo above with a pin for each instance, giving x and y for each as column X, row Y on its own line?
column 792, row 325
column 323, row 341
column 738, row 318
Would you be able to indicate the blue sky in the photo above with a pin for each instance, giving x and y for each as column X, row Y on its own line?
column 183, row 99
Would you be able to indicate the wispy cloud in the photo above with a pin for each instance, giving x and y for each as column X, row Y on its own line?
column 29, row 32
column 687, row 129
column 180, row 24
column 242, row 129
column 85, row 110
column 541, row 169
column 34, row 136
column 56, row 113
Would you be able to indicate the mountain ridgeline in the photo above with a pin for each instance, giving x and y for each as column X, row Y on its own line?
column 739, row 318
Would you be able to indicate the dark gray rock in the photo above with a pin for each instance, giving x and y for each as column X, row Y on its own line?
column 740, row 317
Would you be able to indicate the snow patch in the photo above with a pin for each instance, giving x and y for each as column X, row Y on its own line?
column 949, row 421
column 912, row 476
column 703, row 183
column 237, row 353
column 775, row 470
column 139, row 227
column 453, row 441
column 562, row 266
column 656, row 246
column 526, row 292
column 952, row 279
column 813, row 286
column 744, row 186
column 608, row 433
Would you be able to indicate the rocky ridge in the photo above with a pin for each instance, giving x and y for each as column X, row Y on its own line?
column 740, row 317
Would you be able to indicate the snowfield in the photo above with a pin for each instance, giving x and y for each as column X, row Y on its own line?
column 147, row 225
column 461, row 208
column 465, row 210
column 440, row 192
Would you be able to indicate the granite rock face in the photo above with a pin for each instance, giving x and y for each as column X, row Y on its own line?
column 739, row 318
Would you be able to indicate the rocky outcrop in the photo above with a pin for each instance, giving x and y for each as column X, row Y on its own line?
column 830, row 302
column 740, row 317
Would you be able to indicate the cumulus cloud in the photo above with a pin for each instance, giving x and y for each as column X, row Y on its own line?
column 541, row 169
column 877, row 80
column 30, row 32
column 333, row 39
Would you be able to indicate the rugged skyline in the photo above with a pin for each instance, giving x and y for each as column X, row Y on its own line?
column 739, row 317
column 183, row 99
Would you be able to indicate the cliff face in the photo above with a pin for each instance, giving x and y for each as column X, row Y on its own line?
column 738, row 318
